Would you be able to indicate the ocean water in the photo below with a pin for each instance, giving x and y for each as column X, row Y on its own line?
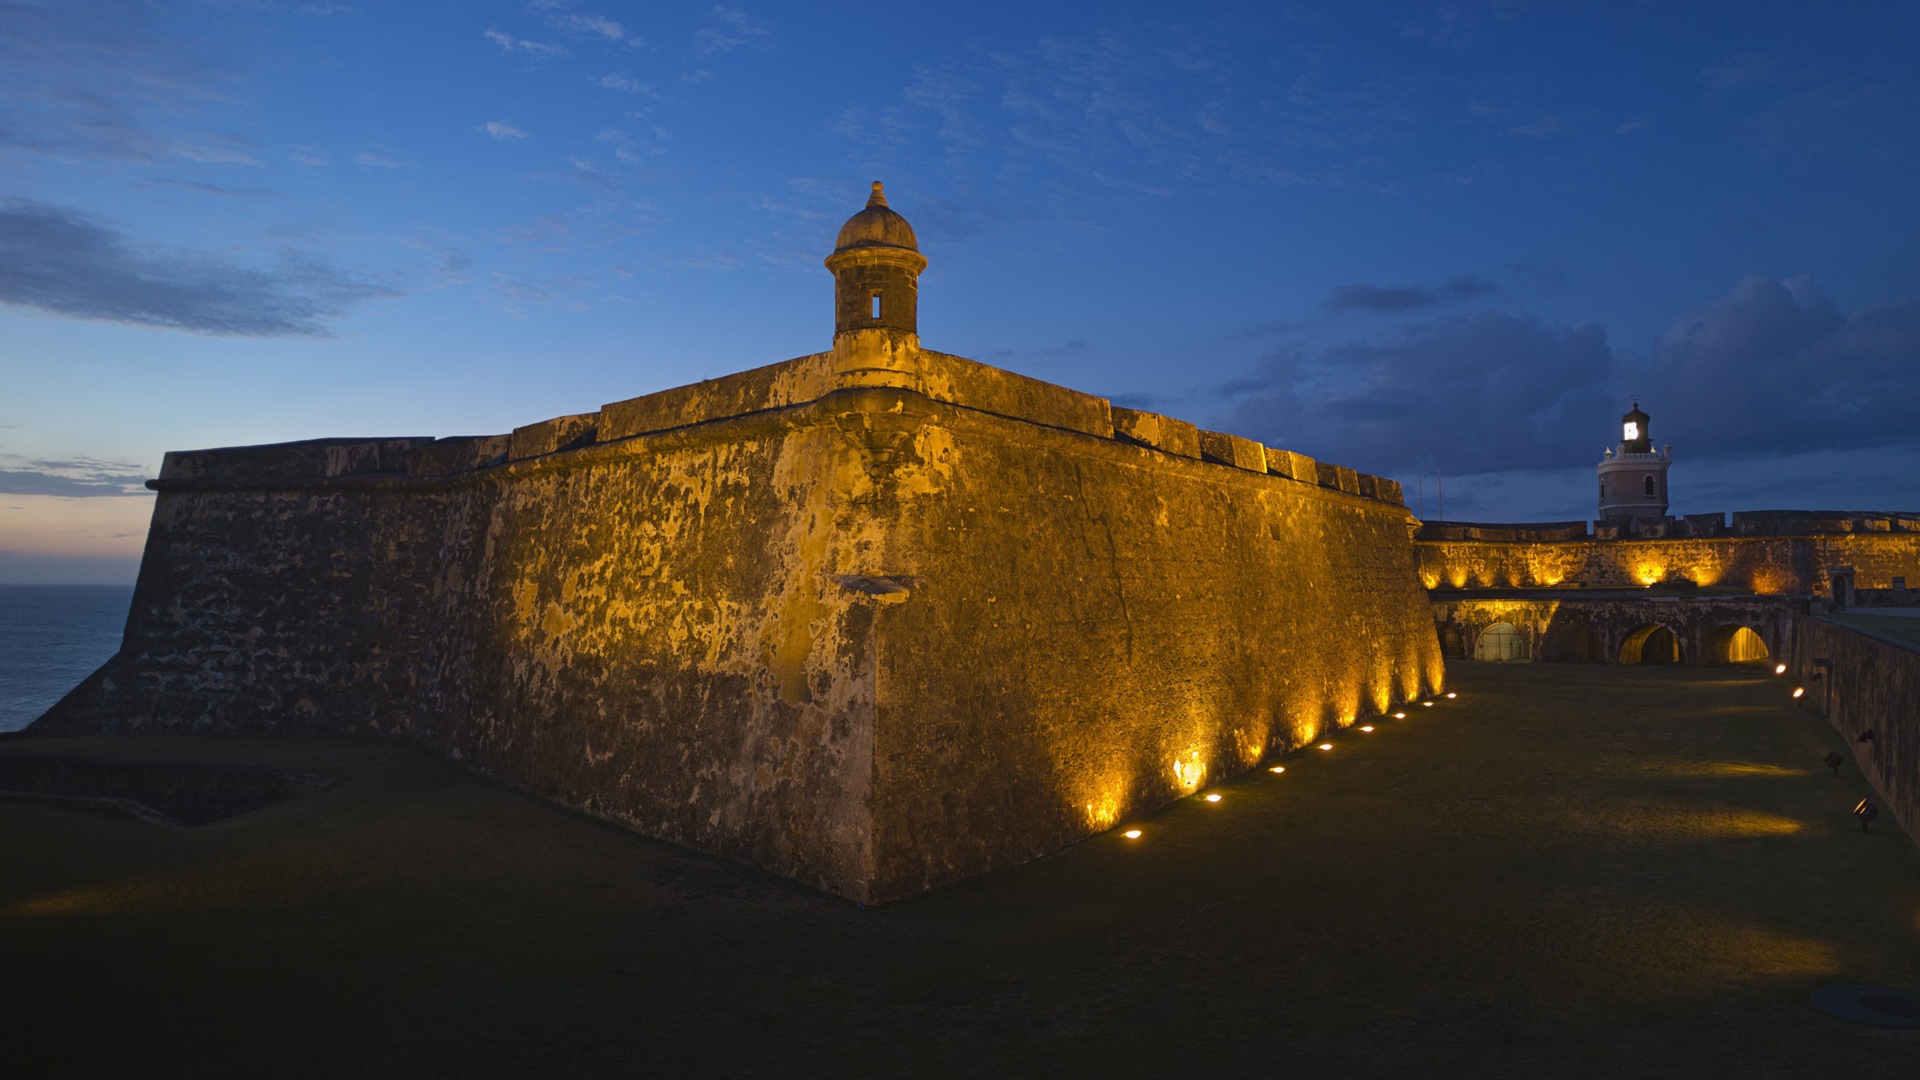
column 51, row 637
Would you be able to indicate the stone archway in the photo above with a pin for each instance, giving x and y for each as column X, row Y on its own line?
column 1501, row 642
column 1650, row 644
column 1568, row 642
column 1735, row 644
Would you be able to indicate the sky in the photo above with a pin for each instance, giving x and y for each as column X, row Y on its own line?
column 1447, row 243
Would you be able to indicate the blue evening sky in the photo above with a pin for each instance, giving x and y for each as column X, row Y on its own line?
column 1412, row 238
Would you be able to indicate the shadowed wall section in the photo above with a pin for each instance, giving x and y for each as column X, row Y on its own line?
column 872, row 638
column 1869, row 683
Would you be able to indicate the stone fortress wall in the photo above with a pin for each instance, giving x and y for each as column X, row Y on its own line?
column 1576, row 595
column 876, row 638
column 1768, row 553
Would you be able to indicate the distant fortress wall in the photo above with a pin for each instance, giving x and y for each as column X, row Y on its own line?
column 873, row 638
column 1767, row 553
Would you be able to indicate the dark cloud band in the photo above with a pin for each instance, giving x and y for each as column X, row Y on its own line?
column 59, row 260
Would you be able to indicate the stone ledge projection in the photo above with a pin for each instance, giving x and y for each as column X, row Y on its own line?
column 877, row 618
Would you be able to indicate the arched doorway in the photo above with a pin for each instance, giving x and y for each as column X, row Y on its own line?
column 1501, row 642
column 1735, row 645
column 1651, row 644
column 1568, row 642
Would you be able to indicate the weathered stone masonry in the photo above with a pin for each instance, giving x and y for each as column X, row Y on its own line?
column 877, row 618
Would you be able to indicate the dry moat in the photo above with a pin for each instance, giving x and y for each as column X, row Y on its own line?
column 1570, row 870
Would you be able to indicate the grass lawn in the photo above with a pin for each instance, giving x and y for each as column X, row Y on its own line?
column 1572, row 870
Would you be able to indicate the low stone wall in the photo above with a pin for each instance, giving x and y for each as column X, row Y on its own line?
column 1872, row 684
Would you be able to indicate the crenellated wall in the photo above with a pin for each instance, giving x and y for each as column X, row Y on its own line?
column 875, row 639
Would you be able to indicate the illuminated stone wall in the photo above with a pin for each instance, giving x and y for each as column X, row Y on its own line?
column 874, row 639
column 1768, row 565
column 1593, row 628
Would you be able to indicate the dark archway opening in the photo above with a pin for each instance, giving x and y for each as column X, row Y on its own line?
column 1568, row 642
column 1736, row 645
column 1452, row 645
column 1650, row 645
column 1501, row 642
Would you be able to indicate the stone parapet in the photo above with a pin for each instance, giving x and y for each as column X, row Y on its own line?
column 550, row 436
column 458, row 454
column 1160, row 432
column 1224, row 449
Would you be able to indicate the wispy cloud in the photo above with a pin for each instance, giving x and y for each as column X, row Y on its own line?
column 536, row 50
column 368, row 159
column 108, row 79
column 624, row 83
column 502, row 131
column 1408, row 297
column 588, row 26
column 78, row 478
column 59, row 260
column 730, row 29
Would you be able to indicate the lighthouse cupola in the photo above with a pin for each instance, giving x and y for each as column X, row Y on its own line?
column 1633, row 475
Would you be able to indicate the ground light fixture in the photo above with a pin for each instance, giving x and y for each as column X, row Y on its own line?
column 1451, row 695
column 1213, row 798
column 1366, row 727
column 1428, row 704
column 1866, row 812
column 1399, row 716
column 1131, row 834
column 1278, row 769
column 1799, row 691
column 1779, row 669
column 1326, row 746
column 1834, row 761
